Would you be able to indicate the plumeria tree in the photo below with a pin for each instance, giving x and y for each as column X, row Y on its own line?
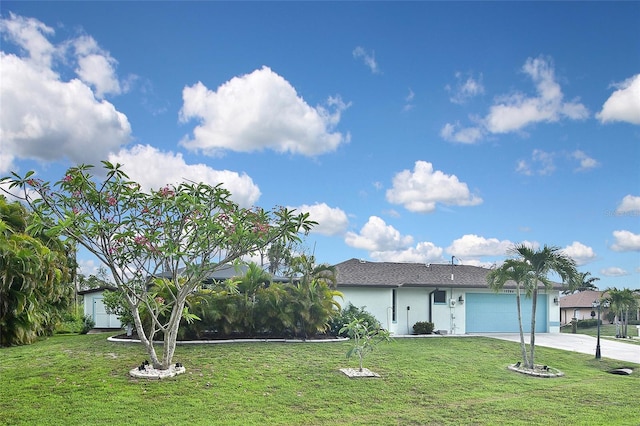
column 158, row 245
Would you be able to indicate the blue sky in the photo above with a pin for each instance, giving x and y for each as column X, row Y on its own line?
column 411, row 131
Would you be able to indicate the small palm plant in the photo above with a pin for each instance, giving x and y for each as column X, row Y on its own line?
column 364, row 338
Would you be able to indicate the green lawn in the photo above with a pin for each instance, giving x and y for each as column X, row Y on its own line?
column 79, row 380
column 608, row 331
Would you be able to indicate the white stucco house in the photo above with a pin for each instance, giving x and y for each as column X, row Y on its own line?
column 580, row 306
column 94, row 307
column 455, row 298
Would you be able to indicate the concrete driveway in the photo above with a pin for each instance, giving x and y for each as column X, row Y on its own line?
column 578, row 343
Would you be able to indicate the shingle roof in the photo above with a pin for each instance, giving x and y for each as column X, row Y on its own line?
column 226, row 271
column 97, row 289
column 583, row 299
column 360, row 273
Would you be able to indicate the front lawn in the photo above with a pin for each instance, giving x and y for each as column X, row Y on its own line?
column 607, row 331
column 78, row 380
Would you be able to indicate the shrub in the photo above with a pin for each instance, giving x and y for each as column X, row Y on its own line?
column 70, row 324
column 115, row 304
column 588, row 323
column 347, row 315
column 87, row 324
column 75, row 323
column 423, row 327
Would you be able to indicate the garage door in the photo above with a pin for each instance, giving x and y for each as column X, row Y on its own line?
column 498, row 313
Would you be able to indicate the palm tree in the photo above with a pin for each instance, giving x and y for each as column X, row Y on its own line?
column 314, row 294
column 304, row 267
column 621, row 302
column 583, row 282
column 518, row 272
column 279, row 255
column 253, row 279
column 540, row 264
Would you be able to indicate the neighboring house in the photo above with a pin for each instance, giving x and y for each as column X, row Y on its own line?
column 225, row 272
column 580, row 305
column 455, row 298
column 94, row 308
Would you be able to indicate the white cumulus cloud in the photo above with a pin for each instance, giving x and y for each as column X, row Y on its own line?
column 331, row 220
column 385, row 244
column 421, row 189
column 626, row 241
column 586, row 162
column 257, row 111
column 96, row 67
column 453, row 132
column 579, row 252
column 31, row 36
column 423, row 252
column 44, row 117
column 613, row 271
column 515, row 111
column 467, row 87
column 623, row 104
column 153, row 169
column 473, row 246
column 377, row 236
column 629, row 204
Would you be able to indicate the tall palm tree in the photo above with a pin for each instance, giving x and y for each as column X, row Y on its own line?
column 621, row 302
column 304, row 267
column 541, row 263
column 583, row 282
column 518, row 272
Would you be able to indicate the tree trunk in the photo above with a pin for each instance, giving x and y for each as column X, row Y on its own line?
column 142, row 335
column 171, row 333
column 532, row 342
column 523, row 345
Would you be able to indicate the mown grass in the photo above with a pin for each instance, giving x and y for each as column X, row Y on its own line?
column 608, row 331
column 78, row 380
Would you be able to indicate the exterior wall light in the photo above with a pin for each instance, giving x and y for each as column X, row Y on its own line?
column 460, row 300
column 555, row 300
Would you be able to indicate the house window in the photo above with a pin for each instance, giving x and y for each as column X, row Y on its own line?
column 439, row 296
column 394, row 305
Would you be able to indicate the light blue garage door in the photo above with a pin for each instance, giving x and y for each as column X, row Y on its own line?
column 498, row 313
